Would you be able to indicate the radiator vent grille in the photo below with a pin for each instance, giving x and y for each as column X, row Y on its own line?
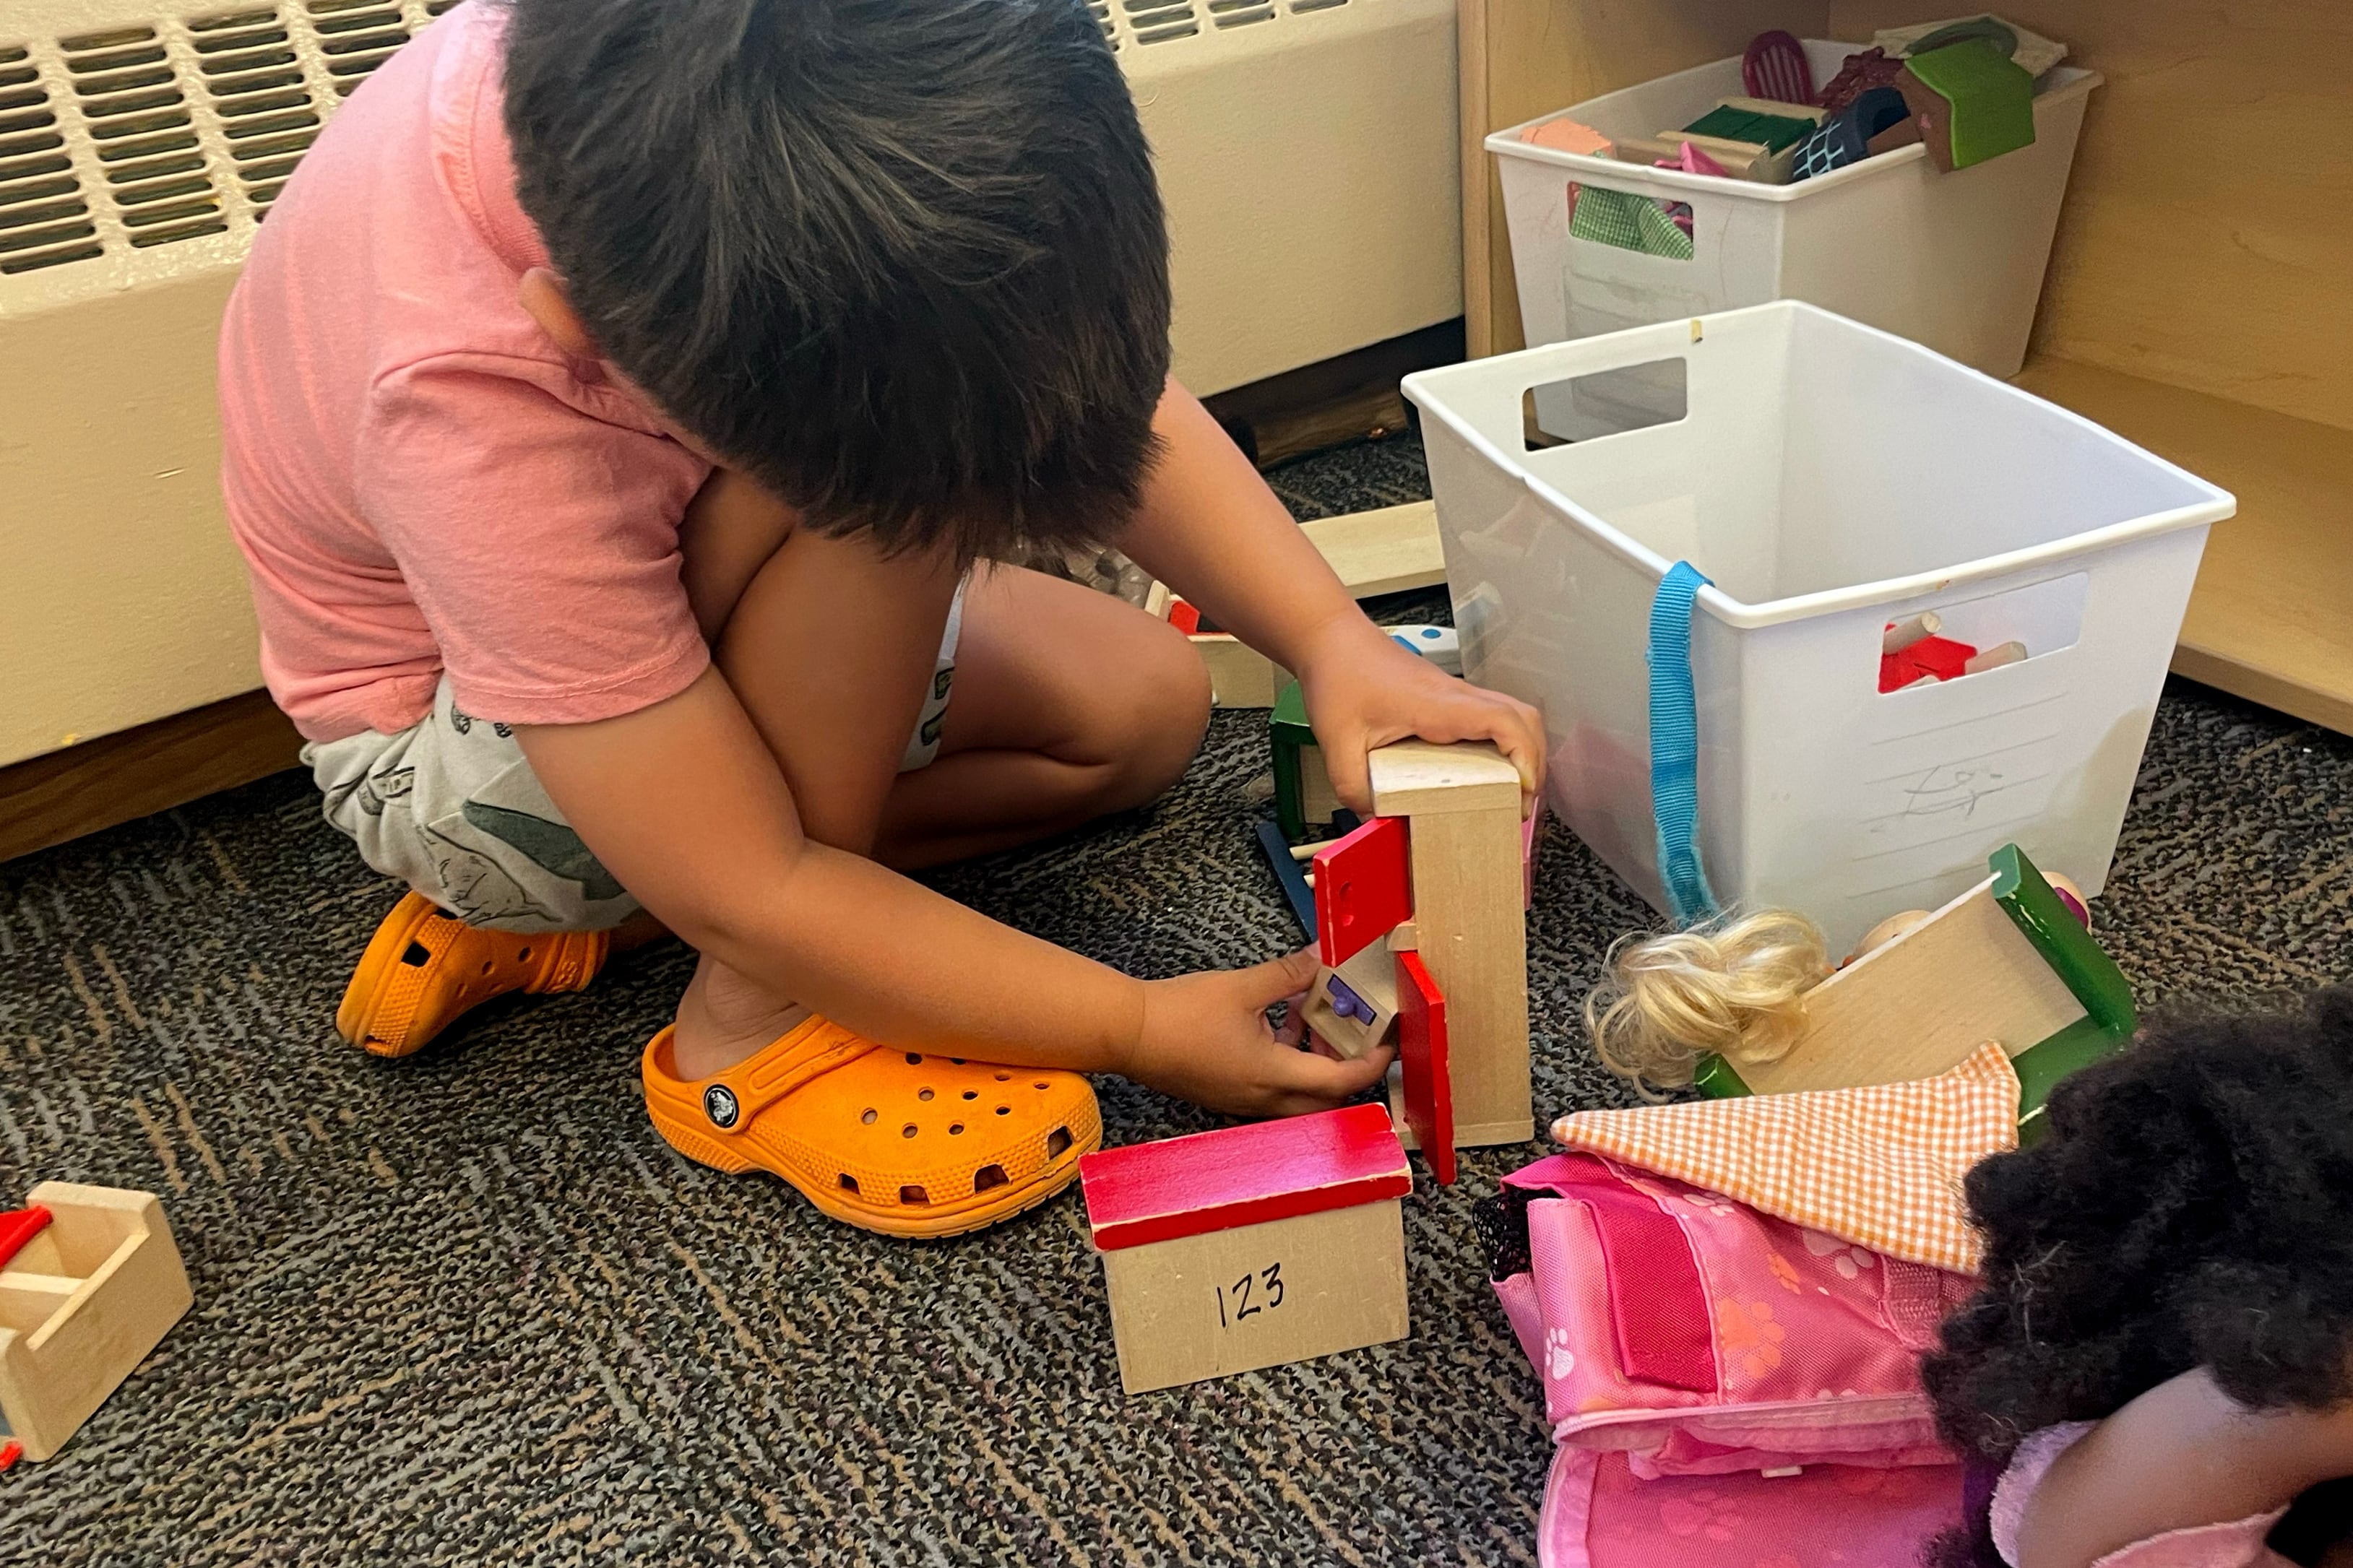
column 356, row 37
column 254, row 82
column 172, row 127
column 45, row 216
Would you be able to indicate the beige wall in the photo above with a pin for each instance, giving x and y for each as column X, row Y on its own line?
column 121, row 598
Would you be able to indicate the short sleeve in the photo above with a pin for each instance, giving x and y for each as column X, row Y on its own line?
column 539, row 542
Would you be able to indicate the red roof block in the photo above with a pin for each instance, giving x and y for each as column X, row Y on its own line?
column 1234, row 1176
column 18, row 1226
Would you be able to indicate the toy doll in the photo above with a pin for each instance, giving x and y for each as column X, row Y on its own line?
column 2158, row 1369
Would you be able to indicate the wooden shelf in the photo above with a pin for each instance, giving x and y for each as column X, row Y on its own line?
column 2271, row 618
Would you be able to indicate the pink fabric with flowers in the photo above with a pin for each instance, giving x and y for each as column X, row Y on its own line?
column 1687, row 1342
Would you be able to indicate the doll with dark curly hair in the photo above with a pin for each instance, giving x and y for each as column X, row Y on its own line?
column 2163, row 1343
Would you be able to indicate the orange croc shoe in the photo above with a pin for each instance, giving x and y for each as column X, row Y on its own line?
column 425, row 968
column 895, row 1141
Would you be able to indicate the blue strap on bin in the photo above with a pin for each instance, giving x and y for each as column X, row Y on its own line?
column 1675, row 745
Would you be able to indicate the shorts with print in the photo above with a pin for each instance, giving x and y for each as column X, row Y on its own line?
column 450, row 806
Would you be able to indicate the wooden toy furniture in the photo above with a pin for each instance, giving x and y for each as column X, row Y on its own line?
column 1387, row 551
column 1462, row 807
column 2006, row 961
column 2195, row 302
column 1252, row 1245
column 83, row 1299
column 1971, row 103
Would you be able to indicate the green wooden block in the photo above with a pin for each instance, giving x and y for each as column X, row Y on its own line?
column 1988, row 98
column 1288, row 731
column 1774, row 131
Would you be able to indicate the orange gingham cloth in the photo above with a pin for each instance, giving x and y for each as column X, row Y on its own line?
column 1879, row 1167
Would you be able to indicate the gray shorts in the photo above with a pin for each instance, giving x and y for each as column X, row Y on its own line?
column 450, row 806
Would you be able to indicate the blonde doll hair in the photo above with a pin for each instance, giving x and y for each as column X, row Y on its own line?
column 1734, row 985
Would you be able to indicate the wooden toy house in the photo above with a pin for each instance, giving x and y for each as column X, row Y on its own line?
column 1250, row 1246
column 89, row 1282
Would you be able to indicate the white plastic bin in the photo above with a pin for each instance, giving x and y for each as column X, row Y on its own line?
column 1830, row 479
column 1954, row 261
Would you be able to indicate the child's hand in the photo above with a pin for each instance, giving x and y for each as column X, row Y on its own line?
column 1205, row 1038
column 1364, row 691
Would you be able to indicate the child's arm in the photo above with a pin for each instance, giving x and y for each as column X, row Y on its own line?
column 2182, row 1455
column 1210, row 529
column 683, row 803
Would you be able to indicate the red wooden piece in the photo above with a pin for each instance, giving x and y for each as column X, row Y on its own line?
column 1185, row 618
column 10, row 1452
column 1940, row 657
column 1429, row 1086
column 1242, row 1175
column 1363, row 889
column 18, row 1226
column 1775, row 67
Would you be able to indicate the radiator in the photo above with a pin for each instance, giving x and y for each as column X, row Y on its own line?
column 1306, row 149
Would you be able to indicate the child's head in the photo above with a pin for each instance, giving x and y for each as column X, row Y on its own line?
column 902, row 261
column 2187, row 1208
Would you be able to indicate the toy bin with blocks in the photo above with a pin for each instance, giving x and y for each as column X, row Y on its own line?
column 1832, row 482
column 1952, row 260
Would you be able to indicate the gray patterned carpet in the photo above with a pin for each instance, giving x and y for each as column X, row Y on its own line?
column 468, row 1308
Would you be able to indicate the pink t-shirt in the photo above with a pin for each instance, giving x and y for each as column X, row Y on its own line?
column 420, row 480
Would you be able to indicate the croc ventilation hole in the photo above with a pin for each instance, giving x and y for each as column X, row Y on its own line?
column 914, row 1195
column 849, row 1183
column 1056, row 1140
column 988, row 1176
column 414, row 956
column 868, row 1116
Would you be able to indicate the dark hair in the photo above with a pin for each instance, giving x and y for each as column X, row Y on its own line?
column 2186, row 1208
column 900, row 261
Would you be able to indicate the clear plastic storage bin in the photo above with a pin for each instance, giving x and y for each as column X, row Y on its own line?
column 1952, row 260
column 1830, row 479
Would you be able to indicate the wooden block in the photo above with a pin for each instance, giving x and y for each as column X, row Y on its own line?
column 1427, row 1083
column 1317, row 802
column 1384, row 551
column 1250, row 1246
column 1417, row 778
column 1235, row 1300
column 1157, row 600
column 1239, row 676
column 1470, row 930
column 1370, row 982
column 1813, row 113
column 1920, row 1004
column 1365, row 889
column 80, row 1306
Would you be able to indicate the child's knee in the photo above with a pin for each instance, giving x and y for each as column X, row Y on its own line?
column 1161, row 713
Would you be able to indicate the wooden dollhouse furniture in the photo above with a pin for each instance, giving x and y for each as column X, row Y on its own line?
column 2195, row 301
column 83, row 1298
column 1250, row 1246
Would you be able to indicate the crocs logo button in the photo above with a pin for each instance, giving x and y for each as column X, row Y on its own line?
column 719, row 1104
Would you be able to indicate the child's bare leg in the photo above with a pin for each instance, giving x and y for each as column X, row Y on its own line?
column 1066, row 704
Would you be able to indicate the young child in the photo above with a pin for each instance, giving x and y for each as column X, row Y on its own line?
column 2158, row 1366
column 616, row 407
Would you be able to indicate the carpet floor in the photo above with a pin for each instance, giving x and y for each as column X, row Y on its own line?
column 468, row 1308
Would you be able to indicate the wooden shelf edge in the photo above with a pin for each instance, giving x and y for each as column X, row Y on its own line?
column 103, row 782
column 2272, row 617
